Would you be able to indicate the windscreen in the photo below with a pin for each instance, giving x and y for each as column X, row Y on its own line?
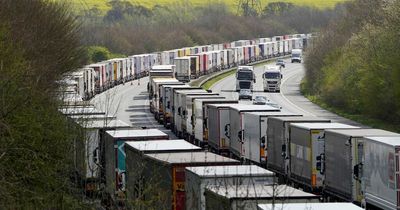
column 272, row 75
column 245, row 75
column 296, row 55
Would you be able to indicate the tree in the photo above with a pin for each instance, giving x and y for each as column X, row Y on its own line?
column 38, row 43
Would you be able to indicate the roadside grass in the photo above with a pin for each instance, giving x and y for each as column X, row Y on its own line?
column 207, row 85
column 365, row 120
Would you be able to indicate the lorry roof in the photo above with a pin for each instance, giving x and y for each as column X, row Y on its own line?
column 310, row 206
column 310, row 126
column 165, row 79
column 188, row 91
column 126, row 133
column 252, row 108
column 92, row 117
column 217, row 99
column 162, row 67
column 363, row 132
column 101, row 123
column 235, row 170
column 175, row 85
column 162, row 145
column 191, row 157
column 259, row 191
column 390, row 140
column 222, row 105
column 80, row 111
column 301, row 118
column 274, row 113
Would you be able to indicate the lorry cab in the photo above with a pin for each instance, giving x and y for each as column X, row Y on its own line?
column 272, row 77
column 296, row 55
column 245, row 78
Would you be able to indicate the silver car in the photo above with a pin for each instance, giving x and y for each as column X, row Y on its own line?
column 245, row 94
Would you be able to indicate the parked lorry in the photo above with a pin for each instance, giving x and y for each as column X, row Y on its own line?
column 87, row 155
column 278, row 144
column 154, row 94
column 166, row 94
column 307, row 155
column 245, row 78
column 199, row 121
column 162, row 176
column 180, row 106
column 134, row 157
column 343, row 174
column 184, row 68
column 161, row 98
column 169, row 103
column 198, row 178
column 272, row 77
column 235, row 128
column 297, row 55
column 254, row 145
column 187, row 125
column 114, row 155
column 381, row 179
column 217, row 123
column 249, row 196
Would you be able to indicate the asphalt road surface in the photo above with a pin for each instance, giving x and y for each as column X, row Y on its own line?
column 129, row 102
column 289, row 98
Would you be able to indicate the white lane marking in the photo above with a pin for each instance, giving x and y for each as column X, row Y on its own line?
column 294, row 105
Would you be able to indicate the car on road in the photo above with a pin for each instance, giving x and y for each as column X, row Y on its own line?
column 280, row 62
column 260, row 100
column 245, row 94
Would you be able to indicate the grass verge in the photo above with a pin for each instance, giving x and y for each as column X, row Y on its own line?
column 214, row 80
column 365, row 120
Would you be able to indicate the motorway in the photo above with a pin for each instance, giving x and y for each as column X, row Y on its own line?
column 289, row 98
column 129, row 102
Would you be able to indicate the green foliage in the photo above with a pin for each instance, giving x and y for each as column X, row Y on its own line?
column 183, row 24
column 360, row 64
column 98, row 53
column 38, row 43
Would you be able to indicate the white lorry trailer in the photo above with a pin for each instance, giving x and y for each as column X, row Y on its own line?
column 381, row 172
column 255, row 137
column 278, row 144
column 235, row 128
column 307, row 142
column 198, row 178
column 272, row 77
column 217, row 122
column 343, row 177
column 200, row 117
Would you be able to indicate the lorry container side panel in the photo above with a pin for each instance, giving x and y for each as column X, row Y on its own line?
column 381, row 172
column 339, row 177
column 300, row 156
column 279, row 141
column 342, row 171
column 172, row 165
column 307, row 152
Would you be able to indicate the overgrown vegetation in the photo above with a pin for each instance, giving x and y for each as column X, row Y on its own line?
column 38, row 43
column 354, row 64
column 133, row 29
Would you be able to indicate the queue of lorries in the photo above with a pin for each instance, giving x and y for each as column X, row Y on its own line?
column 189, row 63
column 337, row 161
column 231, row 156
